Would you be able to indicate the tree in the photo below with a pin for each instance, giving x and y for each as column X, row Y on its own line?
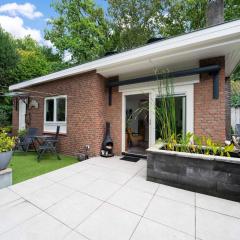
column 8, row 56
column 182, row 16
column 187, row 15
column 134, row 22
column 232, row 10
column 80, row 29
column 34, row 60
column 8, row 61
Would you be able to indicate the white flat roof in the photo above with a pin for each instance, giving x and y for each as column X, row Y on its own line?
column 220, row 40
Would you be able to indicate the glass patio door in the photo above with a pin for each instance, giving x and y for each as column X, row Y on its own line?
column 180, row 116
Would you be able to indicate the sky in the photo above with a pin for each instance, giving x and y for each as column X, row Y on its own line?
column 22, row 18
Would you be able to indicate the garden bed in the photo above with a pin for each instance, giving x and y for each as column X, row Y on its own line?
column 213, row 175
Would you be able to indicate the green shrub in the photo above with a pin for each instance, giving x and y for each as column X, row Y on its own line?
column 7, row 129
column 235, row 100
column 5, row 115
column 6, row 143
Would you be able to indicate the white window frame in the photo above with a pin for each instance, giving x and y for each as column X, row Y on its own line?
column 184, row 87
column 50, row 126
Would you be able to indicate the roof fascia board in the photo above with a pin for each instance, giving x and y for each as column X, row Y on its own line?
column 187, row 40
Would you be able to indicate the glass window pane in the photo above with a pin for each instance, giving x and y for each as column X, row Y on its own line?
column 49, row 110
column 175, row 108
column 61, row 106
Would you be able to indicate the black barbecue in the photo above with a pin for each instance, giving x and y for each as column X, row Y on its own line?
column 107, row 144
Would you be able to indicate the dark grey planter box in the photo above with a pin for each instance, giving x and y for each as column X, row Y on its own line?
column 212, row 175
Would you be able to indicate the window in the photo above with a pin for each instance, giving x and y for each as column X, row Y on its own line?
column 55, row 109
column 50, row 110
column 61, row 108
column 55, row 113
column 179, row 113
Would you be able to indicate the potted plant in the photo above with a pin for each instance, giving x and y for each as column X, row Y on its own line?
column 6, row 145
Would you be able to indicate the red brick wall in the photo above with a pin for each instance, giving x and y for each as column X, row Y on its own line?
column 86, row 100
column 210, row 118
column 114, row 116
column 87, row 112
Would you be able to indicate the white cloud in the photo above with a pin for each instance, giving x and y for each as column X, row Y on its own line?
column 15, row 26
column 27, row 10
column 12, row 21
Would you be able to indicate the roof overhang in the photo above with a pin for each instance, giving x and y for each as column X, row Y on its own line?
column 15, row 94
column 220, row 40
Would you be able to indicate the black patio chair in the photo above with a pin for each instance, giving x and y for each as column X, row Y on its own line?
column 28, row 140
column 49, row 144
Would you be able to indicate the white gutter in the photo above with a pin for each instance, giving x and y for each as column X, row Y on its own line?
column 208, row 36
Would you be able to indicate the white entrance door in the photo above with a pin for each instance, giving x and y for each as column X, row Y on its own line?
column 22, row 115
column 151, row 120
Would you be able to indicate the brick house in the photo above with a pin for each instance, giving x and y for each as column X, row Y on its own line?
column 82, row 99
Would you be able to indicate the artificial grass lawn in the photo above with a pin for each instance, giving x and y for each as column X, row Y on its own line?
column 25, row 165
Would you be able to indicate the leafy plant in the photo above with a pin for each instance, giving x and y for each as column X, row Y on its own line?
column 7, row 129
column 228, row 149
column 185, row 142
column 165, row 108
column 22, row 133
column 6, row 142
column 199, row 143
column 235, row 100
column 171, row 143
column 194, row 144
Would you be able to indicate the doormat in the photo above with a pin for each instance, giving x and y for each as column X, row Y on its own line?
column 130, row 158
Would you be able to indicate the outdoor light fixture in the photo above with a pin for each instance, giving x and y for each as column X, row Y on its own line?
column 33, row 104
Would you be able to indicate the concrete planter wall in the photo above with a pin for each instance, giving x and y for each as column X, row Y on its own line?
column 212, row 175
column 5, row 158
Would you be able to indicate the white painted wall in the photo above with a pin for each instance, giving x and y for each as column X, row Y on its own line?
column 22, row 115
column 235, row 117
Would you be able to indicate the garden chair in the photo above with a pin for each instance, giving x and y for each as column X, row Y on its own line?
column 49, row 144
column 134, row 138
column 28, row 140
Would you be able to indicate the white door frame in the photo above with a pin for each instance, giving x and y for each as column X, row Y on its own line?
column 151, row 116
column 22, row 108
column 185, row 88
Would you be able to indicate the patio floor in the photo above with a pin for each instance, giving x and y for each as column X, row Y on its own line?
column 109, row 199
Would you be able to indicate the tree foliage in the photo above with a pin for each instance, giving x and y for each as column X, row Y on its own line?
column 34, row 60
column 22, row 59
column 80, row 29
column 133, row 22
column 8, row 56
